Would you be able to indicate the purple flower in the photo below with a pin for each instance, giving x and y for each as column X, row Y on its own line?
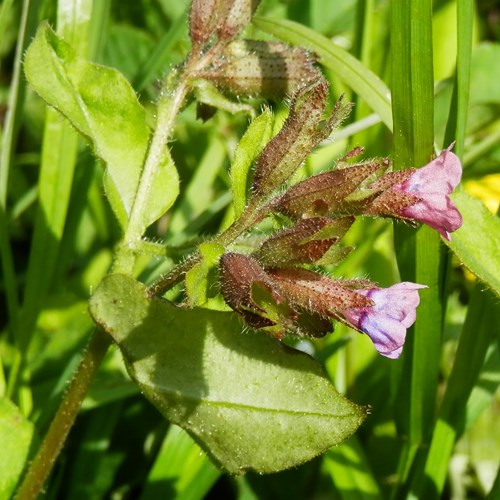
column 432, row 184
column 386, row 322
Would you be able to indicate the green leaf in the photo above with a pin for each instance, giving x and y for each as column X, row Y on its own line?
column 16, row 434
column 486, row 71
column 349, row 69
column 477, row 242
column 257, row 135
column 249, row 401
column 181, row 463
column 102, row 105
column 349, row 469
column 197, row 276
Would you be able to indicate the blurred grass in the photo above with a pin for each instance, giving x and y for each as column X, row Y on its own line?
column 122, row 448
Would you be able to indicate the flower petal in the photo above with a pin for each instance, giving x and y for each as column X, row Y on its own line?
column 387, row 321
column 432, row 184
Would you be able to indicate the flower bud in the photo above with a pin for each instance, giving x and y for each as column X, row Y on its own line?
column 237, row 16
column 325, row 194
column 238, row 274
column 302, row 131
column 253, row 294
column 305, row 243
column 319, row 294
column 204, row 19
column 265, row 69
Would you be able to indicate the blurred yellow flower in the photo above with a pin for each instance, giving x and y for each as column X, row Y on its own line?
column 487, row 190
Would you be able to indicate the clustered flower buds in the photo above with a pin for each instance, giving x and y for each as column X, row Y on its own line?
column 272, row 290
column 238, row 67
column 256, row 68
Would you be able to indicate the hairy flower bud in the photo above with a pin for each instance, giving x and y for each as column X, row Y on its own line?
column 325, row 194
column 253, row 294
column 226, row 18
column 266, row 69
column 305, row 243
column 317, row 293
column 237, row 16
column 302, row 131
column 204, row 19
column 238, row 274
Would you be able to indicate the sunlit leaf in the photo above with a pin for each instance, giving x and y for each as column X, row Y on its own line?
column 197, row 277
column 251, row 145
column 477, row 242
column 102, row 105
column 250, row 402
column 16, row 434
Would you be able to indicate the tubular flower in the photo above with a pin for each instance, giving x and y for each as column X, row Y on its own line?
column 432, row 184
column 386, row 322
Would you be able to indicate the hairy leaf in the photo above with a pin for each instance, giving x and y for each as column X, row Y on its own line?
column 250, row 402
column 102, row 105
column 251, row 145
column 477, row 242
column 197, row 281
column 15, row 439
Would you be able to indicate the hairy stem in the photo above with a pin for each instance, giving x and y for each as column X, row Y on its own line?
column 176, row 88
column 169, row 105
column 252, row 214
column 64, row 418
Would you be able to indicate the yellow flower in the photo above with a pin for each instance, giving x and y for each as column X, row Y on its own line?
column 487, row 189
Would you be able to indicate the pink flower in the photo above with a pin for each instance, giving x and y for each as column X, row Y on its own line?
column 386, row 322
column 432, row 184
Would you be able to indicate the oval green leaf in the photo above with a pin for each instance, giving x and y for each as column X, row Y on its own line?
column 16, row 434
column 102, row 105
column 250, row 402
column 477, row 242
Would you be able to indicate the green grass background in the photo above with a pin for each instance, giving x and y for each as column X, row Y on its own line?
column 433, row 431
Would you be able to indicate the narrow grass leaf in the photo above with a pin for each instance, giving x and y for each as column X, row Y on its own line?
column 182, row 467
column 418, row 254
column 472, row 348
column 350, row 472
column 161, row 58
column 457, row 122
column 349, row 69
column 248, row 401
column 10, row 128
column 199, row 193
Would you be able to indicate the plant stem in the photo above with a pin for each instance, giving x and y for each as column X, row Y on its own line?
column 252, row 214
column 170, row 103
column 64, row 418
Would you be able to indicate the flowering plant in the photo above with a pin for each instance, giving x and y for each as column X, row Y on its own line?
column 262, row 290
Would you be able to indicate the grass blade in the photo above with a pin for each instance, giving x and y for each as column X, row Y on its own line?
column 349, row 69
column 456, row 127
column 418, row 255
column 59, row 153
column 474, row 342
column 183, row 467
column 9, row 138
